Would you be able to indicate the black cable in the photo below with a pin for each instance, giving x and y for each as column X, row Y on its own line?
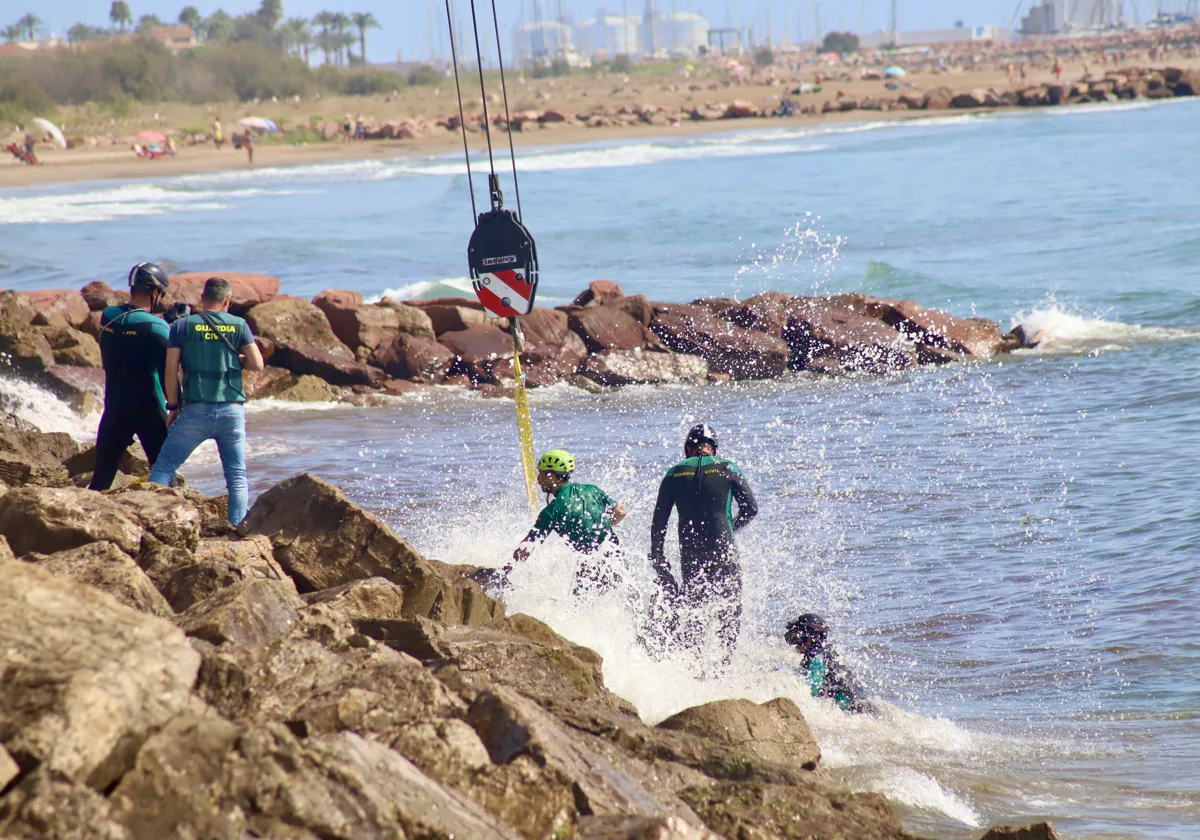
column 487, row 126
column 462, row 120
column 507, row 119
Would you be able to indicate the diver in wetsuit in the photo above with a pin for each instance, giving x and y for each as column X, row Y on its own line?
column 582, row 514
column 133, row 346
column 703, row 488
column 822, row 667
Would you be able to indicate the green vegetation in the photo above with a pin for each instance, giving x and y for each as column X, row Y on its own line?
column 739, row 767
column 620, row 64
column 252, row 56
column 840, row 42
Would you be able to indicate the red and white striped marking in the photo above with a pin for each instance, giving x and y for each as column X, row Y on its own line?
column 503, row 295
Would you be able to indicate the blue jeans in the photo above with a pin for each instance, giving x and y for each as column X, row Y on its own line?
column 197, row 422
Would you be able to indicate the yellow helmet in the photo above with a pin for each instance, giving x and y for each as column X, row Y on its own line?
column 557, row 461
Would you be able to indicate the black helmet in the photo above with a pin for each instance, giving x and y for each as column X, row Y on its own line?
column 701, row 433
column 148, row 277
column 809, row 626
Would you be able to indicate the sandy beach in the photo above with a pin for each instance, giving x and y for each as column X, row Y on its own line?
column 577, row 94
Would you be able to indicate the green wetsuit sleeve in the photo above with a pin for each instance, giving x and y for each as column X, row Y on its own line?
column 662, row 517
column 544, row 524
column 156, row 347
column 816, row 675
column 744, row 496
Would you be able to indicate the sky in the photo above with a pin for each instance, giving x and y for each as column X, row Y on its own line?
column 406, row 23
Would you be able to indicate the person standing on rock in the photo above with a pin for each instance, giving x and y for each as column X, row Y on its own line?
column 133, row 350
column 213, row 348
column 702, row 489
column 582, row 514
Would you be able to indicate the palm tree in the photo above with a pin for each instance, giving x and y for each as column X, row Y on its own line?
column 11, row 34
column 120, row 14
column 338, row 24
column 30, row 24
column 296, row 35
column 323, row 20
column 269, row 12
column 364, row 21
column 190, row 17
column 148, row 22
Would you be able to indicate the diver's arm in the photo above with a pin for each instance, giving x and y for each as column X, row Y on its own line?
column 747, row 506
column 618, row 513
column 662, row 518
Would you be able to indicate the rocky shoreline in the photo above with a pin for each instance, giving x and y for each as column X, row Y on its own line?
column 336, row 347
column 312, row 676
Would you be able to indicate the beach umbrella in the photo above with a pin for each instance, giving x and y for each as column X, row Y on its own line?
column 895, row 71
column 258, row 124
column 151, row 136
column 51, row 129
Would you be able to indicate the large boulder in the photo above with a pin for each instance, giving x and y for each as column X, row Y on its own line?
column 608, row 328
column 48, row 520
column 476, row 348
column 742, row 353
column 169, row 514
column 330, row 366
column 840, row 336
column 411, row 320
column 249, row 290
column 98, row 295
column 938, row 99
column 268, row 382
column 976, row 337
column 548, row 337
column 295, row 323
column 356, row 324
column 251, row 612
column 26, row 350
column 1033, row 831
column 31, row 457
column 83, row 679
column 80, row 387
column 217, row 564
column 72, row 347
column 641, row 367
column 104, row 566
column 16, row 312
column 47, row 806
column 323, row 540
column 60, row 308
column 414, row 357
column 598, row 291
column 453, row 317
column 775, row 731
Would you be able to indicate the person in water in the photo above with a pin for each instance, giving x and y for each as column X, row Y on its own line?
column 133, row 350
column 702, row 489
column 582, row 514
column 821, row 666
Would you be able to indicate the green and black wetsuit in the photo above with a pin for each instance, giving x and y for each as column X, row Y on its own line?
column 582, row 515
column 703, row 490
column 133, row 345
column 828, row 677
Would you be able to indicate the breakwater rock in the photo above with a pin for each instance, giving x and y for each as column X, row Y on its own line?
column 314, row 676
column 336, row 346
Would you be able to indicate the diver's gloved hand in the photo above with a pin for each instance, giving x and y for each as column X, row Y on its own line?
column 176, row 311
column 492, row 578
column 662, row 574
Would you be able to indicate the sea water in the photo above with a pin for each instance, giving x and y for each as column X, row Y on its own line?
column 1007, row 552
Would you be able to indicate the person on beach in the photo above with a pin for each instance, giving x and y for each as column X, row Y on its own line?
column 29, row 143
column 248, row 142
column 218, row 134
column 702, row 489
column 347, row 129
column 360, row 128
column 133, row 350
column 820, row 664
column 582, row 514
column 213, row 348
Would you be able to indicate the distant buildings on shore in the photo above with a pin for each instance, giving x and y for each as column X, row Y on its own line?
column 174, row 38
column 1063, row 16
column 604, row 37
column 934, row 37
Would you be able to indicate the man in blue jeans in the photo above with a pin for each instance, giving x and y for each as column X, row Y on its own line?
column 213, row 348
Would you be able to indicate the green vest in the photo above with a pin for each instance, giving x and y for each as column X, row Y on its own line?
column 212, row 373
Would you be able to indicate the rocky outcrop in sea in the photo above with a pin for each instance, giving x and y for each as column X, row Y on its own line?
column 338, row 347
column 314, row 677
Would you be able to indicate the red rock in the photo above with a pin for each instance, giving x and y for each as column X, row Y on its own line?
column 976, row 337
column 640, row 367
column 744, row 354
column 333, row 368
column 413, row 357
column 249, row 290
column 265, row 346
column 99, row 295
column 938, row 99
column 92, row 325
column 838, row 335
column 59, row 308
column 412, row 320
column 356, row 324
column 715, row 305
column 548, row 337
column 268, row 382
column 401, row 387
column 741, row 109
column 477, row 348
column 553, row 116
column 768, row 312
column 469, row 303
column 640, row 309
column 598, row 291
column 454, row 318
column 297, row 323
column 972, row 99
column 607, row 328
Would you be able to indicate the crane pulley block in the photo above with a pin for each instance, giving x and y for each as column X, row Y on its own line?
column 503, row 260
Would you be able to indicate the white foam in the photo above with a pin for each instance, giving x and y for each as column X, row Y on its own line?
column 109, row 203
column 427, row 289
column 41, row 409
column 1058, row 329
column 274, row 405
column 919, row 790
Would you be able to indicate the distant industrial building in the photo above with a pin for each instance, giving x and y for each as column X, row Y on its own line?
column 544, row 39
column 1062, row 16
column 611, row 35
column 934, row 37
column 681, row 32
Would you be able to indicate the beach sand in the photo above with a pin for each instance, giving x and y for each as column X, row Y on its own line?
column 572, row 94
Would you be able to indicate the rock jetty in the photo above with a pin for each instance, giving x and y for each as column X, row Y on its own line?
column 314, row 677
column 336, row 347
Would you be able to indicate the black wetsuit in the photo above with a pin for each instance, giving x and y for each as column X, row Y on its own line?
column 133, row 344
column 703, row 491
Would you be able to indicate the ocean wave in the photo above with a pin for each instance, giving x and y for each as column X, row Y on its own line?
column 123, row 202
column 1058, row 330
column 427, row 290
column 41, row 409
column 921, row 791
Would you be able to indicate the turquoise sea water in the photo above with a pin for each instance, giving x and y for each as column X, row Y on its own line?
column 1009, row 553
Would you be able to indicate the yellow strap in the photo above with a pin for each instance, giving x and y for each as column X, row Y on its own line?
column 525, row 429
